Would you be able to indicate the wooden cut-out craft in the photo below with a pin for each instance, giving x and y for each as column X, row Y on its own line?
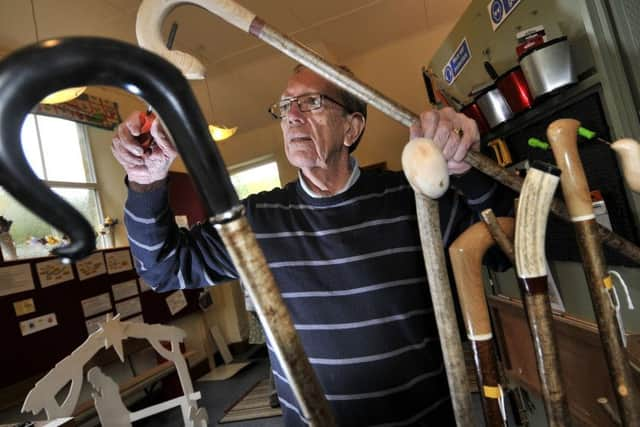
column 108, row 402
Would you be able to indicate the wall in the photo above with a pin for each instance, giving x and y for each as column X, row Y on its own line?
column 499, row 47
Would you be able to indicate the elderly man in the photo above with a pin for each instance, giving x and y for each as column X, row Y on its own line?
column 342, row 244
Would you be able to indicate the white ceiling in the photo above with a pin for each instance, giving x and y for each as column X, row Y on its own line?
column 242, row 71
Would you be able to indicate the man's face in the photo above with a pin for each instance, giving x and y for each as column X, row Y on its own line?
column 313, row 138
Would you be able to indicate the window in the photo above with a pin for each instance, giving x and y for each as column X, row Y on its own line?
column 58, row 152
column 255, row 176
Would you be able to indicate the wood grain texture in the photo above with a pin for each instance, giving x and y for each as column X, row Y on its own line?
column 259, row 282
column 504, row 241
column 487, row 372
column 626, row 389
column 466, row 254
column 547, row 358
column 563, row 137
column 442, row 300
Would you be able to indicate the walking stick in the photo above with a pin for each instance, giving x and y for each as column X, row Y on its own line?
column 562, row 135
column 426, row 171
column 531, row 223
column 29, row 74
column 466, row 254
column 148, row 31
column 505, row 243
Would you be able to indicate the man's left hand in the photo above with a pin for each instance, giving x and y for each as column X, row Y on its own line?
column 453, row 132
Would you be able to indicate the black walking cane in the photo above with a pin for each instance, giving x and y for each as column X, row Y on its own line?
column 28, row 75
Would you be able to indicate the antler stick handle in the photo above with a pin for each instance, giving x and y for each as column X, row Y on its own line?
column 533, row 210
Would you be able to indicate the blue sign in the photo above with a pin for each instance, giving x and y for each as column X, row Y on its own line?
column 499, row 10
column 456, row 63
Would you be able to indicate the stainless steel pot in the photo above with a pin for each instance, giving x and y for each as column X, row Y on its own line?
column 548, row 67
column 494, row 106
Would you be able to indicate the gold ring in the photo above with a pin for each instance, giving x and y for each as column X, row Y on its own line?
column 459, row 132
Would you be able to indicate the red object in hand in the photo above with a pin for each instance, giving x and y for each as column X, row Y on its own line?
column 145, row 139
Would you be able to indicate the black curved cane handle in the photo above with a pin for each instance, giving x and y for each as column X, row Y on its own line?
column 29, row 74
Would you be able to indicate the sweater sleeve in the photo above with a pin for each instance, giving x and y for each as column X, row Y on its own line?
column 482, row 192
column 168, row 257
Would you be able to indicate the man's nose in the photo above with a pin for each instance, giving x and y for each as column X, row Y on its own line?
column 294, row 114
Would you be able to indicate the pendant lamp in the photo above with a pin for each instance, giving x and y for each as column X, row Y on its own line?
column 218, row 133
column 62, row 95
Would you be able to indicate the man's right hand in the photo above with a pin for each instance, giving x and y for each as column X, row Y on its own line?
column 143, row 167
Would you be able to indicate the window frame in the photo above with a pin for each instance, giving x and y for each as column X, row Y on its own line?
column 254, row 163
column 88, row 163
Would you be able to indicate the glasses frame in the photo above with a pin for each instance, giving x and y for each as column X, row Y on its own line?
column 295, row 99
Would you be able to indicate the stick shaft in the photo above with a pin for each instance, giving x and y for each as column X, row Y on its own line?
column 562, row 135
column 533, row 211
column 256, row 276
column 466, row 254
column 488, row 381
column 442, row 300
column 540, row 324
column 595, row 269
column 499, row 236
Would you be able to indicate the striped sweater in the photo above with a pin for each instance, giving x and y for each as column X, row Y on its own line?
column 350, row 270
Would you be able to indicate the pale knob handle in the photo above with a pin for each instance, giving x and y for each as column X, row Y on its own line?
column 425, row 167
column 628, row 151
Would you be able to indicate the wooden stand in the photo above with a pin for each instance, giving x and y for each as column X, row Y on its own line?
column 585, row 369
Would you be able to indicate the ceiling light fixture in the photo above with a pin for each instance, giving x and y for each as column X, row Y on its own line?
column 218, row 133
column 62, row 95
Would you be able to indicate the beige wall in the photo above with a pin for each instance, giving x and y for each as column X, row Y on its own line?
column 392, row 69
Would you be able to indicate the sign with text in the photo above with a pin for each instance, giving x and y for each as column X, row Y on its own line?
column 457, row 62
column 499, row 10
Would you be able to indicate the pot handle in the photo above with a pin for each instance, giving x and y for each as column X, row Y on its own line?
column 31, row 73
column 490, row 70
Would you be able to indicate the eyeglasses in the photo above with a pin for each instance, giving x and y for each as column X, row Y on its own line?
column 307, row 102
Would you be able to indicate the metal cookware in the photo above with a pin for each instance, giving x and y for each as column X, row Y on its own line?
column 513, row 87
column 548, row 67
column 515, row 90
column 472, row 110
column 493, row 105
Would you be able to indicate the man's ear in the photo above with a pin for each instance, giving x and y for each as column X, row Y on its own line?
column 355, row 123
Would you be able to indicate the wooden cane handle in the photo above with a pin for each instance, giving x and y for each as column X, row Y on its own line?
column 563, row 137
column 152, row 13
column 628, row 151
column 425, row 167
column 533, row 209
column 466, row 254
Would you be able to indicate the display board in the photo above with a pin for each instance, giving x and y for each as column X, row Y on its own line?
column 47, row 308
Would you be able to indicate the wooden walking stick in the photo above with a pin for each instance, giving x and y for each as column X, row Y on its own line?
column 426, row 170
column 56, row 64
column 562, row 135
column 466, row 254
column 148, row 31
column 505, row 243
column 531, row 223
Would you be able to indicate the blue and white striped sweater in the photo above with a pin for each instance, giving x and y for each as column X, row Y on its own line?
column 350, row 270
